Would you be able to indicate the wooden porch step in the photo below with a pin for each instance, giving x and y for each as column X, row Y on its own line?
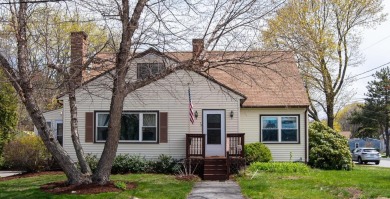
column 215, row 171
column 214, row 177
column 215, row 168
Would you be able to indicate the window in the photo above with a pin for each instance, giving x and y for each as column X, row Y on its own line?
column 135, row 126
column 149, row 69
column 48, row 124
column 60, row 133
column 279, row 129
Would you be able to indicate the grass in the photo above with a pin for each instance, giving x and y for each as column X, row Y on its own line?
column 361, row 182
column 149, row 186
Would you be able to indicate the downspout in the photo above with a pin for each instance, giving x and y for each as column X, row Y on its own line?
column 306, row 138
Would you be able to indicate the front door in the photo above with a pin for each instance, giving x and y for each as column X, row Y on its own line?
column 214, row 128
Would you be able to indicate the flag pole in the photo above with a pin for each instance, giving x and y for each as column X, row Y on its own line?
column 189, row 101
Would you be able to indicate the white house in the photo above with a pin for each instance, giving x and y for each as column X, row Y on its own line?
column 232, row 104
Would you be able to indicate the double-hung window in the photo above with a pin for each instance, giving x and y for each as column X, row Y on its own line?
column 145, row 70
column 135, row 126
column 279, row 129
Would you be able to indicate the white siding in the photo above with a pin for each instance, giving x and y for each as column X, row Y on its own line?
column 166, row 95
column 250, row 125
column 51, row 116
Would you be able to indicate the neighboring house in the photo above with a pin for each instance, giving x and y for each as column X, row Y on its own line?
column 365, row 142
column 232, row 105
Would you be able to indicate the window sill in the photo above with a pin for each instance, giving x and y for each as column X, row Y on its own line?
column 132, row 142
column 268, row 142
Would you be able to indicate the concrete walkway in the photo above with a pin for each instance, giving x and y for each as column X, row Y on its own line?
column 215, row 189
column 8, row 173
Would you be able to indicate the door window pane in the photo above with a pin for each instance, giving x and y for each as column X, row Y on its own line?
column 214, row 121
column 214, row 136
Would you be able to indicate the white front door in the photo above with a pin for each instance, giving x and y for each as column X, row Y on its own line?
column 214, row 129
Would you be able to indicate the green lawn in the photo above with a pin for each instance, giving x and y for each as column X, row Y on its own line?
column 149, row 186
column 361, row 182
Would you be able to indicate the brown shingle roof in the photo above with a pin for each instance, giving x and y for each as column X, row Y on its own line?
column 266, row 79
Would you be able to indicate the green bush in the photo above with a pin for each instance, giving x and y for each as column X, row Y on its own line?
column 92, row 161
column 130, row 164
column 120, row 185
column 257, row 152
column 328, row 149
column 279, row 167
column 165, row 164
column 27, row 153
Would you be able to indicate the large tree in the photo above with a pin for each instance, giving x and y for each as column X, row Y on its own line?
column 161, row 24
column 324, row 36
column 374, row 117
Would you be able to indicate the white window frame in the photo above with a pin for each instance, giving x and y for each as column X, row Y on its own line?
column 56, row 130
column 279, row 118
column 140, row 137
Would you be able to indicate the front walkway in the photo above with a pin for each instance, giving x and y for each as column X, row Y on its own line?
column 216, row 189
column 8, row 173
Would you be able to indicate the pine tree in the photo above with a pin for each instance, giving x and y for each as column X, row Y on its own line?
column 374, row 115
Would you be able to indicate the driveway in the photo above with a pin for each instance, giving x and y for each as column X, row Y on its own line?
column 8, row 173
column 385, row 162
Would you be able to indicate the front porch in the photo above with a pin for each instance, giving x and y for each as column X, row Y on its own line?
column 216, row 167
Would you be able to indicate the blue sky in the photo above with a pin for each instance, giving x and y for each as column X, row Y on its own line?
column 375, row 48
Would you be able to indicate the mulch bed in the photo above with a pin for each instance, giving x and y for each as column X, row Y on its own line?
column 64, row 188
column 188, row 178
column 27, row 175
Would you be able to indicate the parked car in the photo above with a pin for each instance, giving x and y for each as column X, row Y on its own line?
column 364, row 155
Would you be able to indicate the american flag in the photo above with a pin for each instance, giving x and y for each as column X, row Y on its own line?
column 191, row 107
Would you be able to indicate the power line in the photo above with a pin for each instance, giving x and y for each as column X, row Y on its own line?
column 370, row 70
column 386, row 37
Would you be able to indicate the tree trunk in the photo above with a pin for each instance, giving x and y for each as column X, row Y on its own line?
column 24, row 88
column 103, row 171
column 85, row 169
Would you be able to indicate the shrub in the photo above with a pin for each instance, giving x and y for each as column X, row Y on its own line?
column 129, row 163
column 92, row 161
column 27, row 153
column 327, row 148
column 120, row 185
column 165, row 164
column 279, row 167
column 257, row 152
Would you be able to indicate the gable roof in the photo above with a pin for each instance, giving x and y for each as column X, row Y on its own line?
column 262, row 78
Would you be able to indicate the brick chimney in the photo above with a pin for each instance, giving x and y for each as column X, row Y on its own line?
column 197, row 47
column 78, row 52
